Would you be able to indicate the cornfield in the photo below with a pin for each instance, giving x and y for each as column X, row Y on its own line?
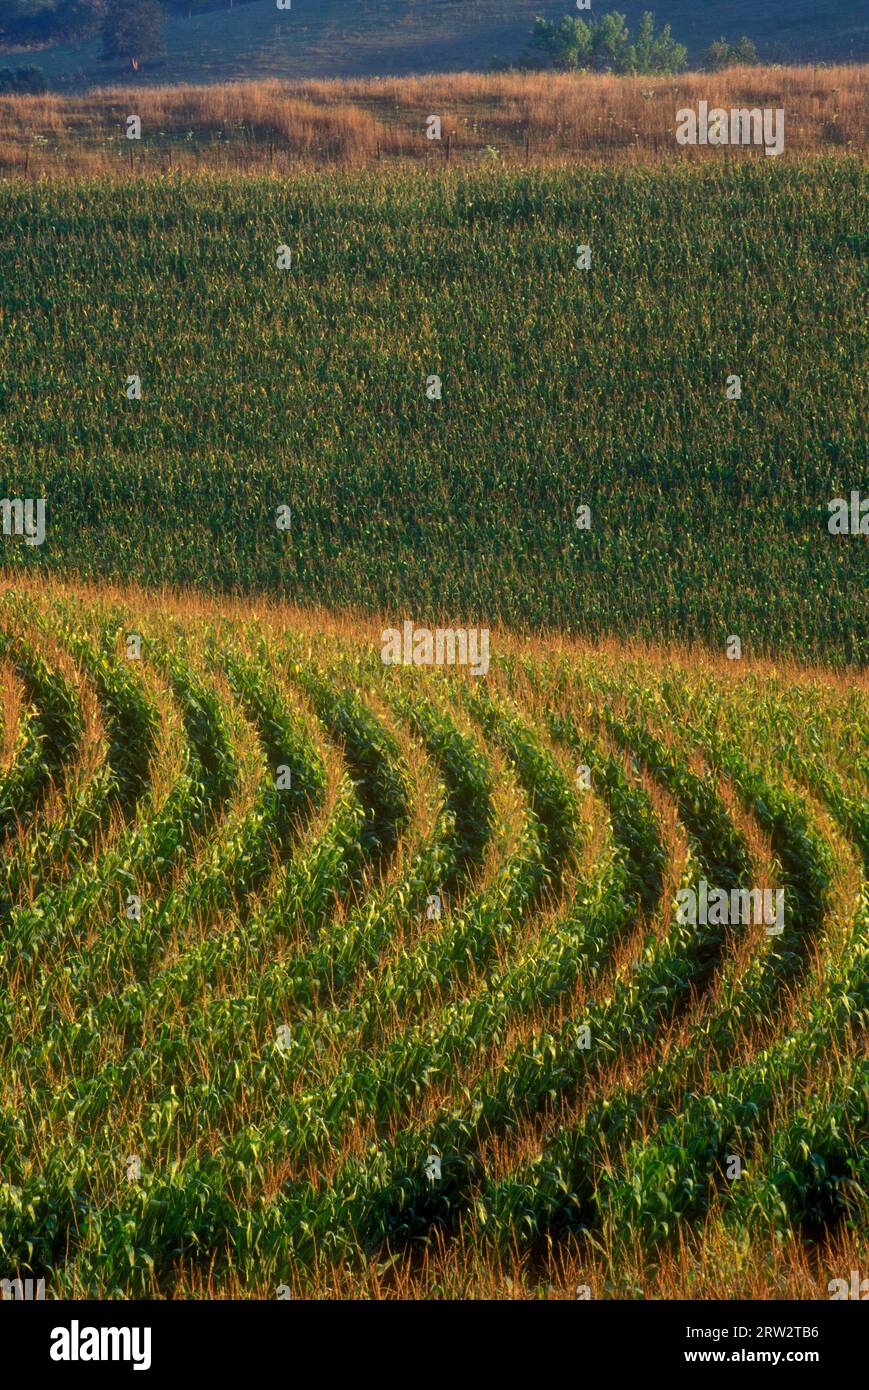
column 328, row 974
column 464, row 419
column 322, row 975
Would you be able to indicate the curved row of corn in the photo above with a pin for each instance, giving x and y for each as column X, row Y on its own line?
column 320, row 975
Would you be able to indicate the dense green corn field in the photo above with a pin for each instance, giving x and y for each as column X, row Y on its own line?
column 322, row 975
column 561, row 388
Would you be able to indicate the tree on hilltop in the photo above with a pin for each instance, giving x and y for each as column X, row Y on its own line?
column 133, row 29
column 604, row 44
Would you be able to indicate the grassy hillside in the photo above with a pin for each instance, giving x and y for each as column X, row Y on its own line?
column 327, row 977
column 561, row 388
column 539, row 119
column 333, row 38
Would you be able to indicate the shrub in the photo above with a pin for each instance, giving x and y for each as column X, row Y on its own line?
column 721, row 54
column 604, row 45
column 29, row 79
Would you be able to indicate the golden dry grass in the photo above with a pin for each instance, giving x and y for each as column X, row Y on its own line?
column 541, row 118
column 716, row 1263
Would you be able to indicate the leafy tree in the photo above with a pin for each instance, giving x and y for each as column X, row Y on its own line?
column 610, row 42
column 603, row 45
column 716, row 56
column 721, row 54
column 133, row 29
column 655, row 53
column 564, row 46
column 745, row 52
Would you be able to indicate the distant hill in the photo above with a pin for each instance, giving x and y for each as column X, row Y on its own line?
column 346, row 38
